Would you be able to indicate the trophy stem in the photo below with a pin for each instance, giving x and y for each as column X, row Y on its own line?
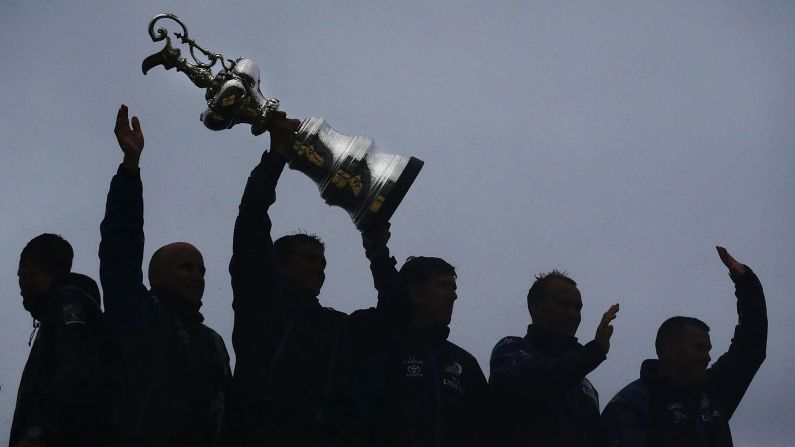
column 399, row 190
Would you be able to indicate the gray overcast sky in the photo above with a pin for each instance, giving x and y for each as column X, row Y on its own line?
column 618, row 140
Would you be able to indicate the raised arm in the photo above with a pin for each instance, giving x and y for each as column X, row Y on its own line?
column 253, row 264
column 382, row 266
column 122, row 245
column 393, row 302
column 732, row 373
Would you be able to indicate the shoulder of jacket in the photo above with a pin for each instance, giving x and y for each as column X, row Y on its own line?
column 458, row 352
column 635, row 395
column 334, row 313
column 74, row 305
column 210, row 332
column 517, row 345
column 215, row 338
column 362, row 314
column 510, row 341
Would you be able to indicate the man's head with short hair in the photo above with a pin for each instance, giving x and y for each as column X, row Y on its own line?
column 683, row 346
column 554, row 303
column 177, row 271
column 301, row 258
column 431, row 283
column 285, row 245
column 44, row 259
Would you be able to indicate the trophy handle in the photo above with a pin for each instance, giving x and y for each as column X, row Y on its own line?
column 169, row 57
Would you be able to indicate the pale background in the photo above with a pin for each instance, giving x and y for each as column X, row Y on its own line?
column 618, row 140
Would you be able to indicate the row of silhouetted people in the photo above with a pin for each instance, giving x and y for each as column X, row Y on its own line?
column 148, row 372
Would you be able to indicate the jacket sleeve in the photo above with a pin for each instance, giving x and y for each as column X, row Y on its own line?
column 624, row 424
column 66, row 407
column 732, row 373
column 393, row 302
column 253, row 264
column 121, row 251
column 518, row 373
column 372, row 327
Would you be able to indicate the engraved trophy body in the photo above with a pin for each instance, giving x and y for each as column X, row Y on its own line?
column 349, row 170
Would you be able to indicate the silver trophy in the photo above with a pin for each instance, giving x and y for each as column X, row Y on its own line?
column 349, row 170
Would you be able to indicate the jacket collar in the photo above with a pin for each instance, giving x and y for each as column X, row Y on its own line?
column 186, row 310
column 649, row 374
column 434, row 334
column 298, row 297
column 552, row 340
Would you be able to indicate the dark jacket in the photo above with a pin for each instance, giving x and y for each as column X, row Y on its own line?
column 294, row 357
column 62, row 387
column 652, row 411
column 541, row 390
column 171, row 371
column 426, row 391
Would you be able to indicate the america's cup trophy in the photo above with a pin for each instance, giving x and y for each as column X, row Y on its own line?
column 349, row 170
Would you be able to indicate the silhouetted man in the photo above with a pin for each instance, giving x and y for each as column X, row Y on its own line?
column 172, row 370
column 424, row 390
column 539, row 380
column 294, row 357
column 60, row 394
column 678, row 401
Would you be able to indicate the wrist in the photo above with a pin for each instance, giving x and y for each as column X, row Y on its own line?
column 131, row 162
column 281, row 152
column 598, row 347
column 376, row 253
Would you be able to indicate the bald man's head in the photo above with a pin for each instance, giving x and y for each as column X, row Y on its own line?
column 177, row 270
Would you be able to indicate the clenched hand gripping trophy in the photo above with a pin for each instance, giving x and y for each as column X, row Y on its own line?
column 349, row 170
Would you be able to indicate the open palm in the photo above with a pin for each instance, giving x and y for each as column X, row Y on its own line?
column 131, row 140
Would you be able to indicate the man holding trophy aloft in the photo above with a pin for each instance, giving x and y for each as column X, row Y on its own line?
column 295, row 358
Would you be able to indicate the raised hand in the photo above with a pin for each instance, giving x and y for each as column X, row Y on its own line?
column 131, row 140
column 735, row 268
column 605, row 330
column 375, row 240
column 283, row 135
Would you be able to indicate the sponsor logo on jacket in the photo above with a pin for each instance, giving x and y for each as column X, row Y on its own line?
column 452, row 377
column 413, row 367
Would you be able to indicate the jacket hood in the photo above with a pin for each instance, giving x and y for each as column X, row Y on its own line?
column 82, row 282
column 40, row 307
column 433, row 333
column 649, row 373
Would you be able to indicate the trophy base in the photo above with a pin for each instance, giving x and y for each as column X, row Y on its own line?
column 395, row 196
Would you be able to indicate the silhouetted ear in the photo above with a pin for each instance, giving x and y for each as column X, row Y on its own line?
column 154, row 278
